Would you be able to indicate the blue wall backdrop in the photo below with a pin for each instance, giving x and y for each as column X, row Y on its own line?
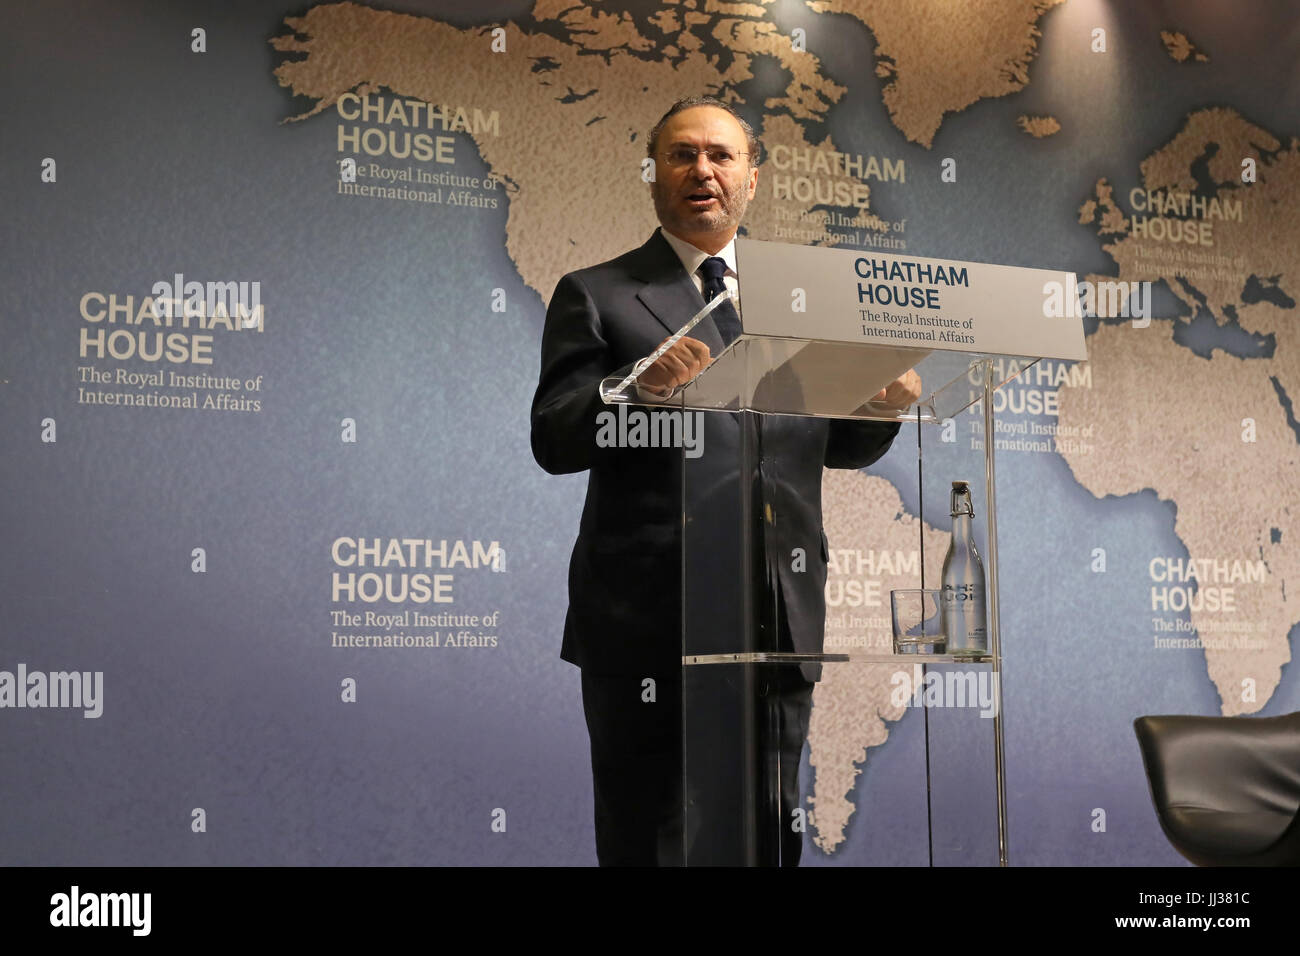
column 186, row 524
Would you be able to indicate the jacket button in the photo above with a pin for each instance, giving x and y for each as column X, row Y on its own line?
column 767, row 510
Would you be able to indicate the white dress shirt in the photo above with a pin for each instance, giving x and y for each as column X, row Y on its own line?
column 693, row 257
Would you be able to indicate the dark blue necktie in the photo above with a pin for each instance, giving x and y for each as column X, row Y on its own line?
column 724, row 316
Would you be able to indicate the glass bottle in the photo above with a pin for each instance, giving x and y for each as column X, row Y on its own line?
column 962, row 595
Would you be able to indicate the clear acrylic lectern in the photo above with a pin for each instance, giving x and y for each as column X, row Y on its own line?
column 743, row 424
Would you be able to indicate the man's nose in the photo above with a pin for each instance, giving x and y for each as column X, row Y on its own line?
column 703, row 168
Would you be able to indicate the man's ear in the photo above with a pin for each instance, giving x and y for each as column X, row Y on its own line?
column 753, row 182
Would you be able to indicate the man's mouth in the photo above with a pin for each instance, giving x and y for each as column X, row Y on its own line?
column 701, row 200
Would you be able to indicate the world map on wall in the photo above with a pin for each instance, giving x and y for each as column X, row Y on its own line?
column 575, row 87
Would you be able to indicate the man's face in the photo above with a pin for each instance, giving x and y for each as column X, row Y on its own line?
column 700, row 202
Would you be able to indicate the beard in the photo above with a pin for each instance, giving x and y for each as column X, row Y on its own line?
column 724, row 217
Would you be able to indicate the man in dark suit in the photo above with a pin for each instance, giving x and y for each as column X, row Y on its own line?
column 624, row 624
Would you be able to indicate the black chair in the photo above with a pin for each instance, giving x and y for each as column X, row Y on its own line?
column 1226, row 789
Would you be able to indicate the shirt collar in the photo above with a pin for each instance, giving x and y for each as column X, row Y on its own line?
column 693, row 257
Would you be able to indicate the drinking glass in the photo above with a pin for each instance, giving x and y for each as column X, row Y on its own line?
column 918, row 623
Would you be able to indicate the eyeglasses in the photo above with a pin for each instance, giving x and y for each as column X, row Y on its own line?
column 719, row 156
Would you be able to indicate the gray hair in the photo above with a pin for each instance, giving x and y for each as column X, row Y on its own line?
column 752, row 143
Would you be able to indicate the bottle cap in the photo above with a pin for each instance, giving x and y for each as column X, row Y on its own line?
column 961, row 499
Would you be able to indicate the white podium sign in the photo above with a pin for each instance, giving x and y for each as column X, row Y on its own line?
column 869, row 297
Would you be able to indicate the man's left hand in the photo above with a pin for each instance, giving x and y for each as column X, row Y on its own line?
column 902, row 393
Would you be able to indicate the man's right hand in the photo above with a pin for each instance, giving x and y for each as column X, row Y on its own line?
column 681, row 363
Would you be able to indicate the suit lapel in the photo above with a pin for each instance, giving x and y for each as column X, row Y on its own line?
column 670, row 294
column 671, row 297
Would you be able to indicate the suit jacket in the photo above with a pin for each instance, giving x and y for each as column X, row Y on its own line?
column 626, row 573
